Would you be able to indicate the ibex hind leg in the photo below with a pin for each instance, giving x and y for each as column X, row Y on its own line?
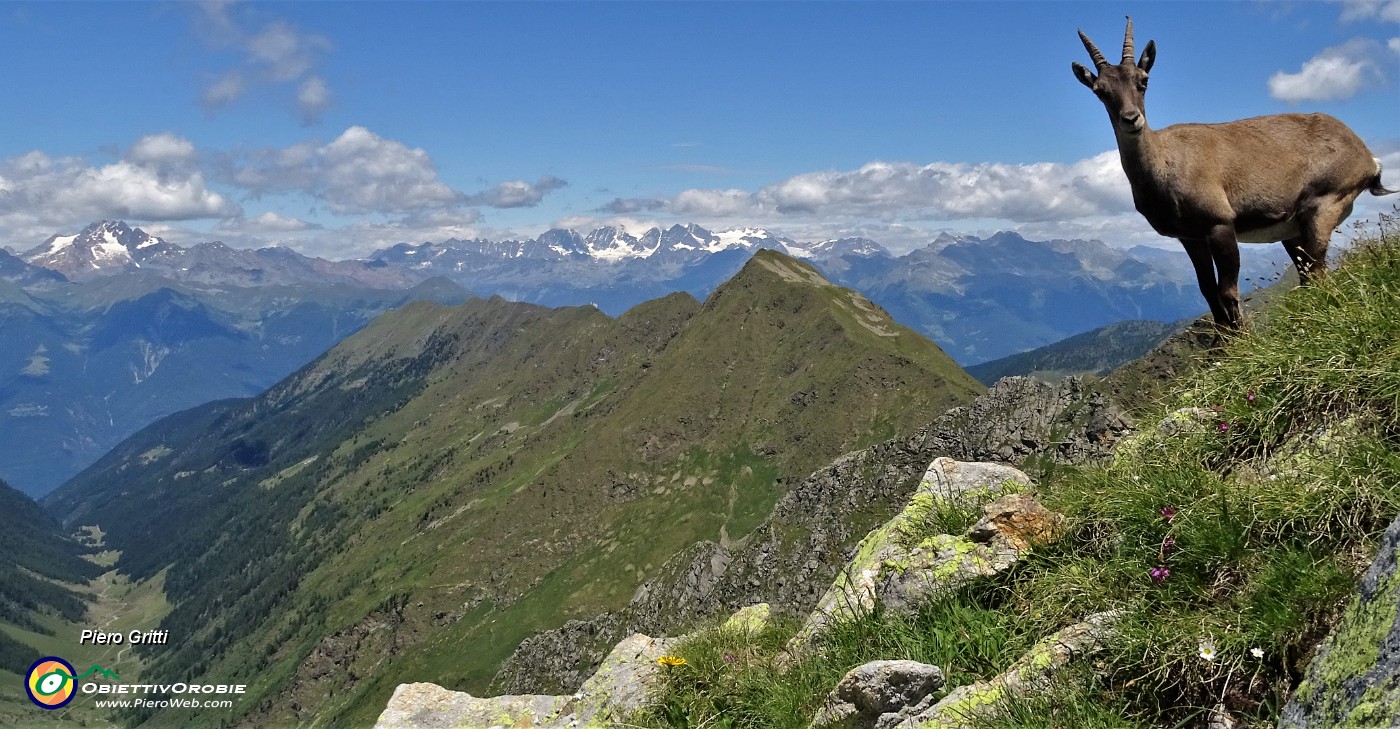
column 1309, row 250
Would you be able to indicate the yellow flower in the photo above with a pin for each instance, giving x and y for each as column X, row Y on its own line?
column 671, row 661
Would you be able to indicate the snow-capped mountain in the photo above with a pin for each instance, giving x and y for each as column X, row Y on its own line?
column 111, row 247
column 603, row 245
column 105, row 247
column 860, row 247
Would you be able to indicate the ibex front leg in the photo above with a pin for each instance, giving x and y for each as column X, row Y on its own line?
column 1225, row 250
column 1199, row 251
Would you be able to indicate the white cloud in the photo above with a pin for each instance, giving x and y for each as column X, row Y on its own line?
column 278, row 54
column 715, row 203
column 1356, row 10
column 363, row 237
column 518, row 193
column 227, row 89
column 313, row 98
column 360, row 172
column 155, row 181
column 268, row 222
column 1334, row 74
column 285, row 53
column 937, row 191
column 162, row 150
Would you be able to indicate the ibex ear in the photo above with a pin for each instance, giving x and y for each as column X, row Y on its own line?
column 1149, row 54
column 1084, row 75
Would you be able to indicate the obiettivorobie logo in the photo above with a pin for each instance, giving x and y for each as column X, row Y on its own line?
column 51, row 682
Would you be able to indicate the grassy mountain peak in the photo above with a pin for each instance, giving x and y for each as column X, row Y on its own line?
column 450, row 480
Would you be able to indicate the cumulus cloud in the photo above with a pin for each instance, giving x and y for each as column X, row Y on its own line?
column 936, row 191
column 518, row 193
column 1334, row 74
column 164, row 150
column 359, row 172
column 278, row 54
column 156, row 180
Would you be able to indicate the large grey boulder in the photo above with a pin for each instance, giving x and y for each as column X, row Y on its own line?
column 1355, row 679
column 621, row 686
column 877, row 688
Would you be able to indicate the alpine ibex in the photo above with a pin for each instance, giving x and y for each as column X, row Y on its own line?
column 1288, row 177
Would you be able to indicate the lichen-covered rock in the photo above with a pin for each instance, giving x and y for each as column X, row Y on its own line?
column 887, row 571
column 908, row 580
column 1030, row 674
column 623, row 682
column 1354, row 682
column 964, row 483
column 751, row 619
column 837, row 714
column 621, row 686
column 429, row 706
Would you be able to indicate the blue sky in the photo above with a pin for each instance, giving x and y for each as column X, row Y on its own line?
column 338, row 128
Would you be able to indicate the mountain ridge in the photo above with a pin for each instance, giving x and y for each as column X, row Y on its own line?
column 563, row 443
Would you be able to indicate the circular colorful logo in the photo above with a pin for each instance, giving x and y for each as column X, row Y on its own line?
column 50, row 682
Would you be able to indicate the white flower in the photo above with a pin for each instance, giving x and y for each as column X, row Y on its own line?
column 1207, row 650
column 1257, row 653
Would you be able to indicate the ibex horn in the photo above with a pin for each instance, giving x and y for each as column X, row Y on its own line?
column 1128, row 43
column 1094, row 53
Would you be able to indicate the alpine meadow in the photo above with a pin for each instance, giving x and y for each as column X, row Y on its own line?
column 478, row 365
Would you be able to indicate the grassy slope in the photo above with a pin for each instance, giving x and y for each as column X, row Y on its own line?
column 1278, row 498
column 449, row 481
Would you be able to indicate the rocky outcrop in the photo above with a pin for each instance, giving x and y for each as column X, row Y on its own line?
column 1355, row 679
column 901, row 565
column 793, row 556
column 869, row 692
column 619, row 688
column 1022, row 418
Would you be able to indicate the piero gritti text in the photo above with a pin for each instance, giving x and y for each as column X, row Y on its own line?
column 135, row 637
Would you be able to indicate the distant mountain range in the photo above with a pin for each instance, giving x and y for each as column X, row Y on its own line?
column 979, row 298
column 110, row 247
column 127, row 328
column 109, row 328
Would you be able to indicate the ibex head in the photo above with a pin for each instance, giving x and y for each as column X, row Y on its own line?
column 1121, row 88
